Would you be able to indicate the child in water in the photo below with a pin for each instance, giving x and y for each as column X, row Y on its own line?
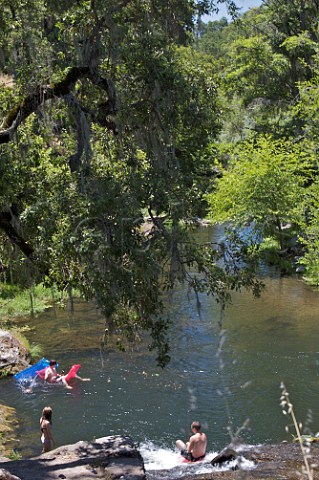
column 52, row 376
column 46, row 433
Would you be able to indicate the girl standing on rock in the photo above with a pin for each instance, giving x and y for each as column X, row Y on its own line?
column 46, row 433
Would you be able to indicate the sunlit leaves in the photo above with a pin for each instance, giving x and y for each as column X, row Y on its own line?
column 263, row 186
column 256, row 69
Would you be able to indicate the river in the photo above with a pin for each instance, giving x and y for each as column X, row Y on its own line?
column 227, row 377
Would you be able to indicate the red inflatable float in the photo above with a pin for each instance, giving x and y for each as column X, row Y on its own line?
column 70, row 374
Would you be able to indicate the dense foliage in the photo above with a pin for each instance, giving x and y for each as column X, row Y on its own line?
column 125, row 113
column 106, row 110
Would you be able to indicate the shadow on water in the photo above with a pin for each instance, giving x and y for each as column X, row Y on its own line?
column 267, row 340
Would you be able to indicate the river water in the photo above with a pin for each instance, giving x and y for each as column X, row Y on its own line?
column 228, row 376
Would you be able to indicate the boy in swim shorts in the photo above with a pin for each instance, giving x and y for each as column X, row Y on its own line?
column 195, row 448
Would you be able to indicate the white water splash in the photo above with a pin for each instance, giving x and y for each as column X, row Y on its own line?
column 157, row 458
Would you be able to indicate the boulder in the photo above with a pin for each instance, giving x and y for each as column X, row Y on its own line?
column 112, row 457
column 14, row 356
column 226, row 455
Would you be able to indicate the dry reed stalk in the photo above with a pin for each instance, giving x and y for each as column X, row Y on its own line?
column 287, row 409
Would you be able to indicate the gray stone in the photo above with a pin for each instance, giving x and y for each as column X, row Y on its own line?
column 110, row 458
column 14, row 356
column 226, row 455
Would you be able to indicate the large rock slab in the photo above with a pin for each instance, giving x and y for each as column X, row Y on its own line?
column 272, row 462
column 14, row 356
column 283, row 461
column 112, row 457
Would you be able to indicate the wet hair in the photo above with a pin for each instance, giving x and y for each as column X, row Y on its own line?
column 52, row 362
column 47, row 414
column 196, row 426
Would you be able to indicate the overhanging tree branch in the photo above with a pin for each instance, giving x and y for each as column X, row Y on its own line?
column 43, row 93
column 7, row 227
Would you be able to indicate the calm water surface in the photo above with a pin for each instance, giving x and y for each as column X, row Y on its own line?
column 227, row 379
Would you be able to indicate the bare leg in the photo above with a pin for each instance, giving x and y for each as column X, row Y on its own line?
column 46, row 447
column 180, row 445
column 82, row 379
column 65, row 383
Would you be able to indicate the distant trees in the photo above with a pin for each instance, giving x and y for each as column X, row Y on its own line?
column 268, row 86
column 264, row 55
column 264, row 185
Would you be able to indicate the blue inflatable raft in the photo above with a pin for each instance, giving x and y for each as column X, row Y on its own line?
column 31, row 372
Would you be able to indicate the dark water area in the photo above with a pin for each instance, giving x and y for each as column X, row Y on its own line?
column 227, row 377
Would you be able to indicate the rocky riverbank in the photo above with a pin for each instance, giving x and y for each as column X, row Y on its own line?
column 270, row 462
column 8, row 429
column 14, row 356
column 116, row 457
column 106, row 458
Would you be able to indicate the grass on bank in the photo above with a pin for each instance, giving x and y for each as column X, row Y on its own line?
column 14, row 455
column 34, row 349
column 15, row 302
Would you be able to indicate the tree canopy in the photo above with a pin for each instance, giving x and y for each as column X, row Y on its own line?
column 106, row 108
column 124, row 121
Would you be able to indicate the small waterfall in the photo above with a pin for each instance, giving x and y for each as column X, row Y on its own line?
column 162, row 463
